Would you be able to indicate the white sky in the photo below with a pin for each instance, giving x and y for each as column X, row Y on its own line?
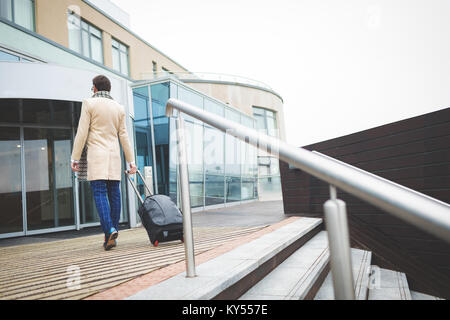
column 341, row 66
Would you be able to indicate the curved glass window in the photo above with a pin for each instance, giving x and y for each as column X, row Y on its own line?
column 221, row 168
column 214, row 107
column 192, row 98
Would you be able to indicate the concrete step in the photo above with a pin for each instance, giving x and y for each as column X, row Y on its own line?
column 233, row 273
column 361, row 260
column 422, row 296
column 388, row 285
column 295, row 277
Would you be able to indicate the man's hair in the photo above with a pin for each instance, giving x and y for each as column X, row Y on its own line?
column 102, row 83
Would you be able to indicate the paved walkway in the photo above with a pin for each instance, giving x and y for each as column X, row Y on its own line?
column 255, row 213
column 44, row 269
column 250, row 214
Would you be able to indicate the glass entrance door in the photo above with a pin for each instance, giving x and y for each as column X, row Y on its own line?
column 11, row 216
column 49, row 193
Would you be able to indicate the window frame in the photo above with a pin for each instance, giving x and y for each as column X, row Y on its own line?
column 33, row 13
column 127, row 52
column 22, row 57
column 266, row 114
column 90, row 35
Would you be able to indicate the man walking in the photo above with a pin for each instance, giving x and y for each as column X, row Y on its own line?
column 102, row 124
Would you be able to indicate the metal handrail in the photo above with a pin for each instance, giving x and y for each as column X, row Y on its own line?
column 429, row 214
column 378, row 177
column 426, row 213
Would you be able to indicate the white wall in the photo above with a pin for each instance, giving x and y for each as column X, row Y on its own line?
column 48, row 81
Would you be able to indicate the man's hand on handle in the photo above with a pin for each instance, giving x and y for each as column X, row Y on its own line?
column 133, row 169
column 75, row 165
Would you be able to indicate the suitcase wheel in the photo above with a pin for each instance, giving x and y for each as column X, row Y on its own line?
column 182, row 239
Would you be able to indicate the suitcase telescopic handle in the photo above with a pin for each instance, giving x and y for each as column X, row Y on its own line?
column 133, row 184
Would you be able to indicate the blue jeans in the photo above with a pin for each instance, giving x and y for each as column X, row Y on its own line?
column 107, row 200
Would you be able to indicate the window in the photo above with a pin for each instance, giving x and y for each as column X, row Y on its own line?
column 6, row 55
column 268, row 167
column 20, row 12
column 266, row 121
column 84, row 38
column 155, row 68
column 120, row 57
column 165, row 71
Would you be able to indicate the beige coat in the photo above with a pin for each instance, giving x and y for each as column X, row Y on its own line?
column 102, row 124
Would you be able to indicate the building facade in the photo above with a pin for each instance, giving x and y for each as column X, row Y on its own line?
column 49, row 53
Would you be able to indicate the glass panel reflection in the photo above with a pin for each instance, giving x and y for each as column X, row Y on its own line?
column 143, row 133
column 173, row 161
column 232, row 156
column 194, row 146
column 270, row 186
column 214, row 190
column 196, row 191
column 10, row 110
column 233, row 189
column 214, row 151
column 214, row 166
column 160, row 94
column 47, row 112
column 249, row 187
column 11, row 217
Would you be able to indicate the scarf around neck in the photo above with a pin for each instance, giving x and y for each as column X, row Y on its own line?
column 102, row 94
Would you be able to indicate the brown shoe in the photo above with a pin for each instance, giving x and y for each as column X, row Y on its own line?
column 110, row 240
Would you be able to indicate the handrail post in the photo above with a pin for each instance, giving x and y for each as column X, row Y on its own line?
column 339, row 243
column 185, row 199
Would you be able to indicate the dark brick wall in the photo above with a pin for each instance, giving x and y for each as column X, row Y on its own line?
column 415, row 153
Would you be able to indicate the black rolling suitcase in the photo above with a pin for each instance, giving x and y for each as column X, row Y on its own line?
column 159, row 215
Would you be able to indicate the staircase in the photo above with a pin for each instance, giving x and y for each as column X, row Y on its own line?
column 290, row 263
